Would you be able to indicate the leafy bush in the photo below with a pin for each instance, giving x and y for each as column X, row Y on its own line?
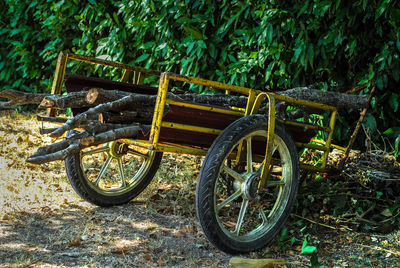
column 259, row 44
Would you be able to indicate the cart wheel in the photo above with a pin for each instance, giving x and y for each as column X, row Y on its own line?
column 111, row 174
column 234, row 216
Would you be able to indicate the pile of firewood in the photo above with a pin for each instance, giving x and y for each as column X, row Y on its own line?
column 113, row 114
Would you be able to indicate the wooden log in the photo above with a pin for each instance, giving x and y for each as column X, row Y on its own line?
column 111, row 135
column 71, row 100
column 114, row 105
column 78, row 141
column 60, row 120
column 340, row 100
column 18, row 98
column 120, row 117
column 96, row 96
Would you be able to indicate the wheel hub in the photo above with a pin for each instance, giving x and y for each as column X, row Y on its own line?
column 117, row 149
column 251, row 187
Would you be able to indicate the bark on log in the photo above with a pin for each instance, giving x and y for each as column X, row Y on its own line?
column 77, row 142
column 121, row 117
column 18, row 98
column 72, row 100
column 51, row 119
column 340, row 100
column 97, row 96
column 114, row 105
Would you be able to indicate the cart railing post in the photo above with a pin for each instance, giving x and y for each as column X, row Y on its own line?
column 159, row 109
column 270, row 133
column 58, row 78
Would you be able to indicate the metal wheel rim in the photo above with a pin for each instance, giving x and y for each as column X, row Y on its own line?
column 127, row 183
column 267, row 222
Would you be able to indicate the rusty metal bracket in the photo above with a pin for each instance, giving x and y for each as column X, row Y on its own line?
column 355, row 132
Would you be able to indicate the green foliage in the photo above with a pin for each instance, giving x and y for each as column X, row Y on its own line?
column 306, row 249
column 258, row 44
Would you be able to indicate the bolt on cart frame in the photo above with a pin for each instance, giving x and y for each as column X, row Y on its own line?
column 250, row 175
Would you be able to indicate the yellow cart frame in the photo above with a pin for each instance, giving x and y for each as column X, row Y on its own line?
column 255, row 97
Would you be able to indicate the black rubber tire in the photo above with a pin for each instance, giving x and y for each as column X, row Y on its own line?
column 211, row 168
column 81, row 185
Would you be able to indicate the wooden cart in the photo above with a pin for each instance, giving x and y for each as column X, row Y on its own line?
column 250, row 175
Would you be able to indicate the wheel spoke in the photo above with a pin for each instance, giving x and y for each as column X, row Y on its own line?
column 96, row 151
column 263, row 216
column 249, row 156
column 121, row 173
column 145, row 156
column 229, row 199
column 233, row 173
column 275, row 183
column 242, row 212
column 103, row 169
column 274, row 149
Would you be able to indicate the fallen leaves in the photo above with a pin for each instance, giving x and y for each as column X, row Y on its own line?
column 255, row 263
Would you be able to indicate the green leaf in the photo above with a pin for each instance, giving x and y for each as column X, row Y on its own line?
column 93, row 2
column 387, row 213
column 392, row 132
column 381, row 9
column 370, row 123
column 142, row 58
column 147, row 45
column 297, row 52
column 193, row 31
column 394, row 101
column 269, row 69
column 270, row 34
column 306, row 249
column 310, row 54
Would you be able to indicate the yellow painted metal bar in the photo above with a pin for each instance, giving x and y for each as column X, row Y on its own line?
column 112, row 64
column 312, row 146
column 191, row 128
column 334, row 146
column 329, row 139
column 204, row 108
column 311, row 167
column 59, row 74
column 162, row 147
column 210, row 83
column 305, row 125
column 58, row 78
column 270, row 134
column 139, row 143
column 250, row 102
column 246, row 91
column 178, row 149
column 249, row 110
column 159, row 108
column 125, row 75
column 138, row 78
column 303, row 102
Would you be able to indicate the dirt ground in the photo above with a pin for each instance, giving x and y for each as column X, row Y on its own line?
column 43, row 222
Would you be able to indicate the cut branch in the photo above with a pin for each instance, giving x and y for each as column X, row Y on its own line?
column 51, row 119
column 72, row 100
column 121, row 117
column 119, row 104
column 79, row 141
column 18, row 97
column 340, row 100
